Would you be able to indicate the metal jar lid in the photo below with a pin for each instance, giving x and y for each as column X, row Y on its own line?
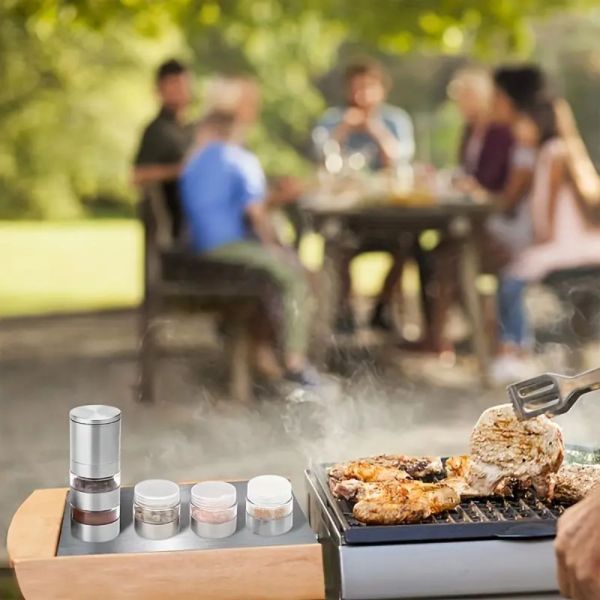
column 95, row 441
column 95, row 414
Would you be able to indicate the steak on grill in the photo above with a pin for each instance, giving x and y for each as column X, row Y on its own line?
column 364, row 470
column 395, row 502
column 385, row 467
column 508, row 453
column 575, row 482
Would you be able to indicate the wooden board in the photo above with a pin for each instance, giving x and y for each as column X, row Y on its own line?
column 265, row 573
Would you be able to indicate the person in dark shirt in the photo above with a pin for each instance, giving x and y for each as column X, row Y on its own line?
column 485, row 149
column 166, row 139
column 498, row 165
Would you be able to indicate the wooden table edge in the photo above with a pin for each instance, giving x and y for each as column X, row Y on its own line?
column 34, row 530
column 34, row 533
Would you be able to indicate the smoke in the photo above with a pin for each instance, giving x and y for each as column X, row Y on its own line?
column 580, row 424
column 375, row 408
column 286, row 430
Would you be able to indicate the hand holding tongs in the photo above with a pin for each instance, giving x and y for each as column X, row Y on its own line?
column 550, row 393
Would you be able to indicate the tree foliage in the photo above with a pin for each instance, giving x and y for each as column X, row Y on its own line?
column 75, row 75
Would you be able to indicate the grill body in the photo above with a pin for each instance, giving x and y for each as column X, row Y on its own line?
column 520, row 563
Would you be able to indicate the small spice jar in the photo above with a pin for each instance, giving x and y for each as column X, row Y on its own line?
column 156, row 508
column 269, row 505
column 214, row 509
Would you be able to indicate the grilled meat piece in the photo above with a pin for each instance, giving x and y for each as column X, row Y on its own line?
column 458, row 466
column 461, row 486
column 575, row 482
column 416, row 466
column 347, row 489
column 402, row 491
column 395, row 502
column 379, row 491
column 386, row 467
column 365, row 470
column 506, row 452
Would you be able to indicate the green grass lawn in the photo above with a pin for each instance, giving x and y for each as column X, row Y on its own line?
column 65, row 267
column 90, row 265
column 9, row 590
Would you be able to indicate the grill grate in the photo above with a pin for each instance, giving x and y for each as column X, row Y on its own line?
column 521, row 516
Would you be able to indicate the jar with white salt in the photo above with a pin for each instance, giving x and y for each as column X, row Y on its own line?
column 269, row 505
column 213, row 509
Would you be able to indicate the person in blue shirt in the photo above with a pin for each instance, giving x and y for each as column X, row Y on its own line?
column 224, row 195
column 384, row 135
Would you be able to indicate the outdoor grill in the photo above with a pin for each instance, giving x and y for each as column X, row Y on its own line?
column 483, row 547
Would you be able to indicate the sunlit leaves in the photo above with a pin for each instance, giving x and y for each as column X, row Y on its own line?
column 209, row 13
column 75, row 75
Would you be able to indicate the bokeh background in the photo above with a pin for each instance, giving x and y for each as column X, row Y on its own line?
column 76, row 89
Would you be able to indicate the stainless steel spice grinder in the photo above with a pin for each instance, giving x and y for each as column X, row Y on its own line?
column 95, row 465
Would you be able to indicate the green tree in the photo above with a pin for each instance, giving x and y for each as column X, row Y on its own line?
column 75, row 77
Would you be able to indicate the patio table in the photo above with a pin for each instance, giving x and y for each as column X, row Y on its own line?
column 458, row 219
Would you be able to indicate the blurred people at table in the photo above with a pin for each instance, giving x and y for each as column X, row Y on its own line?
column 564, row 194
column 222, row 95
column 517, row 90
column 167, row 138
column 520, row 92
column 486, row 144
column 381, row 136
column 225, row 201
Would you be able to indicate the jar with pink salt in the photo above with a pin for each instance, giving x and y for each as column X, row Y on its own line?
column 213, row 509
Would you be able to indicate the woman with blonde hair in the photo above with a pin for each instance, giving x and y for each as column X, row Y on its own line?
column 564, row 195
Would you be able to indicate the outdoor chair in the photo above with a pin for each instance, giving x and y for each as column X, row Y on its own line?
column 174, row 277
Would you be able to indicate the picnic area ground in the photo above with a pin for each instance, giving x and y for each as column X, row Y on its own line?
column 380, row 401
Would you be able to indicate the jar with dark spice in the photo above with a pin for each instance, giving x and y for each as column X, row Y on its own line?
column 269, row 505
column 156, row 508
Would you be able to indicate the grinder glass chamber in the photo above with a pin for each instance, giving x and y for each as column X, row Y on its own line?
column 95, row 478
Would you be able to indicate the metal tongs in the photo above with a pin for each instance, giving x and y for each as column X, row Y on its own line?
column 551, row 394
